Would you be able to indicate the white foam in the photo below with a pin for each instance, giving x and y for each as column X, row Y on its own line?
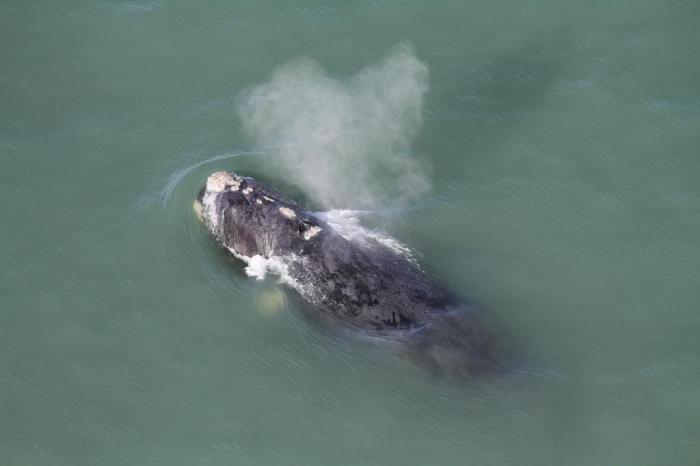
column 347, row 224
column 259, row 267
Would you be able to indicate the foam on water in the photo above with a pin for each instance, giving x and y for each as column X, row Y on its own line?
column 347, row 223
column 259, row 267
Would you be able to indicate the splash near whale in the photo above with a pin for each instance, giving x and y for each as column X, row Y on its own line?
column 365, row 281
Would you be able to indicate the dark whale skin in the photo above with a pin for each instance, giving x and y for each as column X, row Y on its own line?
column 365, row 284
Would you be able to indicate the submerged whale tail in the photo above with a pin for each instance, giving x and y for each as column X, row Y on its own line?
column 457, row 344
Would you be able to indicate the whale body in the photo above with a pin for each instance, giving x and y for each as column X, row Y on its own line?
column 364, row 283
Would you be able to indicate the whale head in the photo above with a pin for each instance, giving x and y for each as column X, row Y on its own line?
column 248, row 218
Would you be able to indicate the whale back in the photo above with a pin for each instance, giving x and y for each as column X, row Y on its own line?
column 367, row 284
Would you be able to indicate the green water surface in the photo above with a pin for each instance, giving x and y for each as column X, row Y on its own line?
column 564, row 144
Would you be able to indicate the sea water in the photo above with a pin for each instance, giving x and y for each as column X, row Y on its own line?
column 541, row 158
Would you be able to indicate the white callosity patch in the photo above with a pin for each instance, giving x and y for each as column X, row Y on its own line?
column 311, row 232
column 287, row 212
column 220, row 181
column 217, row 183
column 247, row 190
column 259, row 201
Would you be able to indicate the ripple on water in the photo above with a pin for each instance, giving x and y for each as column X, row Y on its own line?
column 183, row 242
column 135, row 7
column 175, row 178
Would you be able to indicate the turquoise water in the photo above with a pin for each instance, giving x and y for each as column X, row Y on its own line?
column 556, row 147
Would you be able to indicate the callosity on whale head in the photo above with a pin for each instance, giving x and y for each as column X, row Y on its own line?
column 250, row 219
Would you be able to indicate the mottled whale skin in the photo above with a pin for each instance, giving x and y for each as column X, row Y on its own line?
column 366, row 284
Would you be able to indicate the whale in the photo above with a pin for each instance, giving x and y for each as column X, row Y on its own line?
column 366, row 284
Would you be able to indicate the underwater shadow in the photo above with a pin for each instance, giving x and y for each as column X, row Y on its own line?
column 509, row 88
